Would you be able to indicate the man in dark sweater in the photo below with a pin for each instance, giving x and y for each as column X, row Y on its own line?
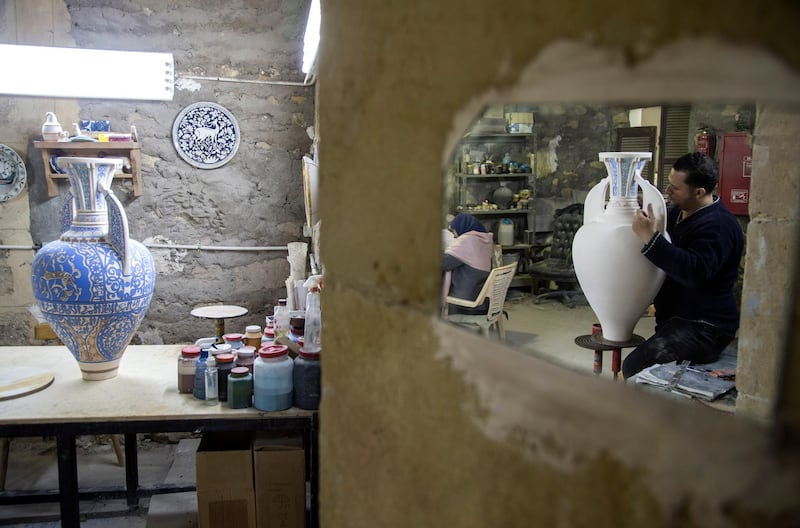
column 696, row 311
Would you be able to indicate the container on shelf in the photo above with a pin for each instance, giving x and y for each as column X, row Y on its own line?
column 245, row 357
column 240, row 388
column 505, row 232
column 252, row 336
column 225, row 362
column 306, row 380
column 187, row 364
column 272, row 379
column 236, row 341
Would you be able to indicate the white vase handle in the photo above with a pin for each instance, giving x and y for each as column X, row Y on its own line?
column 118, row 237
column 651, row 195
column 595, row 202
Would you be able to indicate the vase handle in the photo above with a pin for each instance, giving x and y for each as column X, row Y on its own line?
column 651, row 195
column 118, row 237
column 595, row 202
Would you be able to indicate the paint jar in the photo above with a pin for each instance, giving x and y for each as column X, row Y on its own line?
column 240, row 388
column 245, row 357
column 187, row 364
column 268, row 337
column 224, row 365
column 236, row 341
column 252, row 336
column 272, row 379
column 306, row 380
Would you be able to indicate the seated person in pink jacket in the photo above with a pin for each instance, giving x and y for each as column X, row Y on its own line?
column 467, row 262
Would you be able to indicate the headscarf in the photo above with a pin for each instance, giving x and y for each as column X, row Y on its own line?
column 464, row 222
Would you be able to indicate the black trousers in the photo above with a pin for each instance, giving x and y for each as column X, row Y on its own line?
column 677, row 340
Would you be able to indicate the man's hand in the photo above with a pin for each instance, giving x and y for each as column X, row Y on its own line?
column 645, row 225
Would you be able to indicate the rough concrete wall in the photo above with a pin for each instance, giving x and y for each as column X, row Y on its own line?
column 253, row 200
column 423, row 425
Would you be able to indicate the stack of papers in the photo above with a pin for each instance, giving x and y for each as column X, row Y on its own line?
column 690, row 381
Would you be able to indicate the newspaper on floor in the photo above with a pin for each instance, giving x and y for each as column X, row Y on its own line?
column 691, row 381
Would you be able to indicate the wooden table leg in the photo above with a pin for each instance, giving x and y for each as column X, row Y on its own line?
column 131, row 471
column 68, row 480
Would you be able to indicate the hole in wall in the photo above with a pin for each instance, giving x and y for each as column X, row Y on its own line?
column 515, row 165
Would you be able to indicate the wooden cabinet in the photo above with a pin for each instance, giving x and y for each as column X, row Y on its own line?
column 91, row 149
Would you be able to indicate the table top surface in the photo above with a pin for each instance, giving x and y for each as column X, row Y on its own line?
column 146, row 388
column 219, row 311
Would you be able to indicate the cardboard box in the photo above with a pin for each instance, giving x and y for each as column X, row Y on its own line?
column 280, row 480
column 225, row 491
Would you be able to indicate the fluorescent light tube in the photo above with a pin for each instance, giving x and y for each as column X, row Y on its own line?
column 86, row 73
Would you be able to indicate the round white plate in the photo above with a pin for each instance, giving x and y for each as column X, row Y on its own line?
column 12, row 173
column 205, row 135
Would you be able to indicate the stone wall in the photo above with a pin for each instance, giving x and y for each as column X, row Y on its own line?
column 254, row 200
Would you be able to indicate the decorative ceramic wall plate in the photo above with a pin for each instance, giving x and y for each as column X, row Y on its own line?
column 205, row 135
column 12, row 174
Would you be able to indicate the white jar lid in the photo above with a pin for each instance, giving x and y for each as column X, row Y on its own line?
column 253, row 328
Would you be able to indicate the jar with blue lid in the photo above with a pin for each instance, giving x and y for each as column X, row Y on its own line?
column 272, row 379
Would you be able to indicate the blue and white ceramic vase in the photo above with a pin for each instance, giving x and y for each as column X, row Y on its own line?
column 94, row 284
column 617, row 280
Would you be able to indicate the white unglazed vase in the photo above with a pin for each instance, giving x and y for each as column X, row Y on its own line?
column 617, row 280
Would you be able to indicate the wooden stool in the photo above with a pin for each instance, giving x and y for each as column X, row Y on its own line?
column 595, row 341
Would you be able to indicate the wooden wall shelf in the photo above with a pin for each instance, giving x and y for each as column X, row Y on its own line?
column 105, row 149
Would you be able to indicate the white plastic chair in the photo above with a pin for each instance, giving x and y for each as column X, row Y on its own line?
column 495, row 289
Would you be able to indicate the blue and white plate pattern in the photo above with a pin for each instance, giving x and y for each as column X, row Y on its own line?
column 12, row 174
column 205, row 135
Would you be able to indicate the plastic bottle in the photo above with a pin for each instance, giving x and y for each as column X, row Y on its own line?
column 505, row 233
column 306, row 380
column 224, row 366
column 200, row 375
column 506, row 162
column 272, row 379
column 312, row 335
column 187, row 364
column 281, row 321
column 212, row 382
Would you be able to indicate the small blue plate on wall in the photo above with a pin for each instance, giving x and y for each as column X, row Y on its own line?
column 12, row 174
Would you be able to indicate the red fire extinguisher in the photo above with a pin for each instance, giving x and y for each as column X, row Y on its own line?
column 705, row 141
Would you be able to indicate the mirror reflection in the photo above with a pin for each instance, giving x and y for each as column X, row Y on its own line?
column 525, row 179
